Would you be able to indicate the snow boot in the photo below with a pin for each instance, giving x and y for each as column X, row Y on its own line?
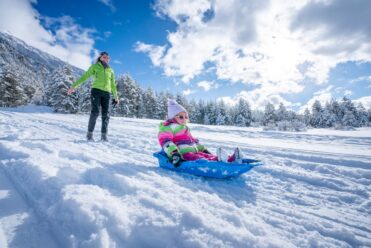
column 89, row 136
column 104, row 137
column 221, row 154
column 237, row 155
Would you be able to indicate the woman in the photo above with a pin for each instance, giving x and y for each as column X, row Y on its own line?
column 103, row 84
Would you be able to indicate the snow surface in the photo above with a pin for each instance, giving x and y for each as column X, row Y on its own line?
column 57, row 190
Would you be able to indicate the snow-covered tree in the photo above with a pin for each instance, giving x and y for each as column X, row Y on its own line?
column 361, row 115
column 316, row 119
column 149, row 104
column 242, row 114
column 131, row 98
column 62, row 80
column 161, row 105
column 12, row 94
column 269, row 117
column 282, row 113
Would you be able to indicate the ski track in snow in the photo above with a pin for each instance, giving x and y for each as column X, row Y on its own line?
column 57, row 190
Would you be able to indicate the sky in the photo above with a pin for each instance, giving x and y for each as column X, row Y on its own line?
column 294, row 52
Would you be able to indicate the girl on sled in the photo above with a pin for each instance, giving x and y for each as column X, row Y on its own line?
column 178, row 143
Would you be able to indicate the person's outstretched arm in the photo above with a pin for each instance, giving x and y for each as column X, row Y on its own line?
column 81, row 80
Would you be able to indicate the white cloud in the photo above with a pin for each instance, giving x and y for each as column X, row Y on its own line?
column 107, row 34
column 68, row 41
column 207, row 85
column 155, row 52
column 348, row 93
column 366, row 101
column 188, row 92
column 267, row 43
column 108, row 3
column 117, row 62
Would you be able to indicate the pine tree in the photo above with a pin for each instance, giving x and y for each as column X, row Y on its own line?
column 149, row 104
column 350, row 113
column 12, row 95
column 361, row 115
column 62, row 80
column 349, row 120
column 316, row 120
column 269, row 117
column 161, row 106
column 131, row 96
column 282, row 113
column 242, row 113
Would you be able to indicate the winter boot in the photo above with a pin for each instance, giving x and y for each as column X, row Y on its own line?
column 89, row 136
column 221, row 154
column 237, row 155
column 104, row 137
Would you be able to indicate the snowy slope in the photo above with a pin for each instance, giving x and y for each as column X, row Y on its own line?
column 313, row 190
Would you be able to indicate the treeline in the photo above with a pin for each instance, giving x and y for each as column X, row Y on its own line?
column 145, row 103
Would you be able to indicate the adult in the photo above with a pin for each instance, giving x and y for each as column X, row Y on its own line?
column 103, row 85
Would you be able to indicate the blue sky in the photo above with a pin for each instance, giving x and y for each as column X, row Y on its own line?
column 264, row 51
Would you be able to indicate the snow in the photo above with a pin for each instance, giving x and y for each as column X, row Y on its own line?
column 57, row 190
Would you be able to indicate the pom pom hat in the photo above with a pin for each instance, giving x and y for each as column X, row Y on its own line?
column 174, row 108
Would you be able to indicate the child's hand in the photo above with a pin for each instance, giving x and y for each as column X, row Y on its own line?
column 176, row 159
column 206, row 151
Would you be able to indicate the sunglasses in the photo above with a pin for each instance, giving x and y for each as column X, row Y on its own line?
column 182, row 117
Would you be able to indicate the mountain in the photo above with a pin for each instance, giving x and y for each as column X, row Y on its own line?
column 27, row 73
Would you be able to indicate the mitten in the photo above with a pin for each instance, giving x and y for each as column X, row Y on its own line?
column 176, row 159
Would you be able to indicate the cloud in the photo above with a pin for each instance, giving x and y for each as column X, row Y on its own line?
column 61, row 37
column 107, row 34
column 188, row 92
column 108, row 3
column 271, row 44
column 366, row 101
column 117, row 62
column 154, row 52
column 348, row 93
column 207, row 85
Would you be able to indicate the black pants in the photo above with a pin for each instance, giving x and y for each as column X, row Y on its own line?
column 99, row 99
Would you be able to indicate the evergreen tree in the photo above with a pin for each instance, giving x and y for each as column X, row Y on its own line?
column 242, row 114
column 12, row 94
column 62, row 80
column 316, row 120
column 361, row 115
column 349, row 120
column 350, row 113
column 336, row 110
column 161, row 106
column 282, row 113
column 221, row 113
column 149, row 104
column 131, row 98
column 269, row 117
column 199, row 112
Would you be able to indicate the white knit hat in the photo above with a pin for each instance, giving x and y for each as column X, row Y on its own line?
column 174, row 108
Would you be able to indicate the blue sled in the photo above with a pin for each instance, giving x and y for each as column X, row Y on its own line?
column 205, row 168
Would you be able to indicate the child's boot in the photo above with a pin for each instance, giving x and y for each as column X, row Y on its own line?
column 221, row 154
column 237, row 155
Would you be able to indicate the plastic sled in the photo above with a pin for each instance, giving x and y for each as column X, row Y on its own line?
column 205, row 168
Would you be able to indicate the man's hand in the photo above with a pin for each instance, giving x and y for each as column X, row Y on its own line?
column 70, row 91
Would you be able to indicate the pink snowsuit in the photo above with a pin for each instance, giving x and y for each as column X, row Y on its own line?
column 174, row 137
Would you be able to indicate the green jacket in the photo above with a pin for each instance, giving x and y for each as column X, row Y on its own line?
column 104, row 79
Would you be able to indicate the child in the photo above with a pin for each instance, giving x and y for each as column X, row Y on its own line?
column 178, row 143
